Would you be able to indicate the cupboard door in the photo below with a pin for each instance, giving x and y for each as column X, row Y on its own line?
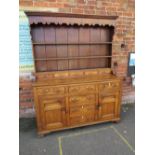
column 53, row 112
column 107, row 106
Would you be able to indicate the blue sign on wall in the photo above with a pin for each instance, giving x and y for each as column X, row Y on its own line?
column 25, row 47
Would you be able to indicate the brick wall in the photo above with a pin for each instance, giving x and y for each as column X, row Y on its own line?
column 124, row 33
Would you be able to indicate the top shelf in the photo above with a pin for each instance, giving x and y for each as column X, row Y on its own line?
column 90, row 43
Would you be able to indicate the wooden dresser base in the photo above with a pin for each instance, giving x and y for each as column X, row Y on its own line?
column 64, row 103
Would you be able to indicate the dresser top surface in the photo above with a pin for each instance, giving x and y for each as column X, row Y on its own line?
column 66, row 81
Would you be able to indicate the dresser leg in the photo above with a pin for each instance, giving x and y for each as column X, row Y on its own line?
column 116, row 121
column 41, row 135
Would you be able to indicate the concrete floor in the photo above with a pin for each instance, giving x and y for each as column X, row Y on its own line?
column 101, row 139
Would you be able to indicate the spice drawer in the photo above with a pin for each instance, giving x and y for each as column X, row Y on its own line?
column 48, row 90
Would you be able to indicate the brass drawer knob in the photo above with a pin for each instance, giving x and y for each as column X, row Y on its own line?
column 74, row 100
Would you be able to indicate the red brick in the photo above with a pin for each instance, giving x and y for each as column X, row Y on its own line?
column 65, row 1
column 92, row 3
column 111, row 9
column 70, row 5
column 89, row 11
column 77, row 10
column 80, row 1
column 88, row 7
column 128, row 14
column 26, row 105
column 101, row 12
column 25, row 3
column 56, row 5
column 51, row 0
column 40, row 4
column 65, row 10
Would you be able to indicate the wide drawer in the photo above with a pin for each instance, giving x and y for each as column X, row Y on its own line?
column 51, row 90
column 82, row 100
column 81, row 89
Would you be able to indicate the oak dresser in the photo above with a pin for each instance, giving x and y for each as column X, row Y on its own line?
column 74, row 80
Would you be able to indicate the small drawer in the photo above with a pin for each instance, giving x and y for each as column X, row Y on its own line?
column 81, row 89
column 51, row 90
column 82, row 119
column 82, row 100
column 82, row 110
column 109, row 86
column 48, row 100
column 76, row 120
column 75, row 111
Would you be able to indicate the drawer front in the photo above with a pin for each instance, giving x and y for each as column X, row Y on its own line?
column 82, row 114
column 82, row 110
column 51, row 90
column 84, row 89
column 51, row 100
column 109, row 86
column 82, row 100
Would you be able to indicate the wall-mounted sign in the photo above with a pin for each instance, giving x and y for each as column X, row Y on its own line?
column 131, row 64
column 26, row 63
column 132, row 59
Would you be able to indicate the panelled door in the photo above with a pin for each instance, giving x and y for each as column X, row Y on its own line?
column 107, row 106
column 52, row 108
column 108, row 100
column 53, row 112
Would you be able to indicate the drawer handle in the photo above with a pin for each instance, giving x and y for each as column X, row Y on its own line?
column 74, row 89
column 90, row 88
column 64, row 110
column 89, row 98
column 98, row 106
column 74, row 100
